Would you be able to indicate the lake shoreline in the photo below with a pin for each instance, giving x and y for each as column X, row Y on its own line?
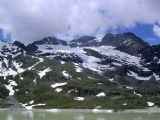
column 147, row 110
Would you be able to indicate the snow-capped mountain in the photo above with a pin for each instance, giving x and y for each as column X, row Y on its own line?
column 121, row 59
column 124, row 53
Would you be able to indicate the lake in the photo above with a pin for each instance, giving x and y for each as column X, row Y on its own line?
column 46, row 115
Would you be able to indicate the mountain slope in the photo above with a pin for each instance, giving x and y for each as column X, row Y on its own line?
column 113, row 72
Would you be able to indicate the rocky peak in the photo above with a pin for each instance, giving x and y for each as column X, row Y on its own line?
column 126, row 42
column 83, row 41
column 46, row 41
column 127, row 39
column 19, row 44
column 50, row 41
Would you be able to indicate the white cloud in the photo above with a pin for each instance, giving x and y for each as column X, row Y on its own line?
column 156, row 30
column 30, row 20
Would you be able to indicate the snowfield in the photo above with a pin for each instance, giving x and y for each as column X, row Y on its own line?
column 91, row 62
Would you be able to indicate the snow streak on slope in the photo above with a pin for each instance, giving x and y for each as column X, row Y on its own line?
column 44, row 72
column 58, row 85
column 65, row 74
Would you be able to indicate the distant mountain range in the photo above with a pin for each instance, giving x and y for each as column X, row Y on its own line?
column 115, row 72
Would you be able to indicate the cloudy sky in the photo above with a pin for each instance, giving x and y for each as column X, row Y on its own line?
column 29, row 20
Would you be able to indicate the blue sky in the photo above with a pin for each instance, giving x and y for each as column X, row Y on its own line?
column 32, row 20
column 143, row 31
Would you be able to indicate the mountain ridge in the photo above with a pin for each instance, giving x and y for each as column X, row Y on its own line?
column 120, row 62
column 51, row 46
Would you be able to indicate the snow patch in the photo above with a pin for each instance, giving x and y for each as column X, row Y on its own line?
column 99, row 83
column 70, row 91
column 31, row 102
column 43, row 73
column 79, row 78
column 31, row 106
column 66, row 74
column 92, row 78
column 130, row 88
column 58, row 90
column 102, row 94
column 21, row 78
column 58, row 85
column 62, row 62
column 116, row 64
column 79, row 98
column 157, row 77
column 111, row 79
column 125, row 104
column 35, row 81
column 150, row 104
column 78, row 68
column 135, row 75
column 10, row 87
column 138, row 94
